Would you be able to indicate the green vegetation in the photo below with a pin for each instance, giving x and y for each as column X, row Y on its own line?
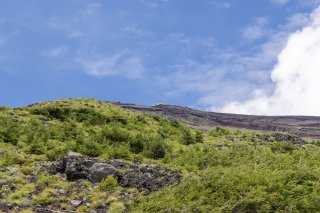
column 108, row 184
column 224, row 170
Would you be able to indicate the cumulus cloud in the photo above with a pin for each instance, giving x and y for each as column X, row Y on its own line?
column 296, row 77
column 120, row 64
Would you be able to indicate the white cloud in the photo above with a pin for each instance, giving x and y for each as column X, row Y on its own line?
column 215, row 76
column 300, row 3
column 121, row 64
column 153, row 4
column 56, row 52
column 280, row 2
column 220, row 3
column 133, row 30
column 256, row 30
column 296, row 77
column 309, row 3
column 91, row 9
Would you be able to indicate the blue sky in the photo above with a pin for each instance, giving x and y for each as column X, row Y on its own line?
column 202, row 54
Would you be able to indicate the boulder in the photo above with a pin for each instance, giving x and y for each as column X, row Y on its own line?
column 100, row 171
column 146, row 178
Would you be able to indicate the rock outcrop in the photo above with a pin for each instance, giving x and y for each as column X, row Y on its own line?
column 146, row 178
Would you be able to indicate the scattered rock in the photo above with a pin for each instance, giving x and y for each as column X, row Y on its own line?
column 76, row 202
column 289, row 138
column 146, row 178
column 2, row 152
column 62, row 191
column 27, row 201
column 13, row 169
column 282, row 137
column 136, row 161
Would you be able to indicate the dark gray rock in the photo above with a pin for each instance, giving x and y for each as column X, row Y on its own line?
column 145, row 178
column 100, row 171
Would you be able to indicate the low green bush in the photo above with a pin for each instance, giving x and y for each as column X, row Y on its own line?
column 108, row 184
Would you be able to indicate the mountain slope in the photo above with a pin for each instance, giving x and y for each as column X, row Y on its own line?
column 84, row 155
column 304, row 126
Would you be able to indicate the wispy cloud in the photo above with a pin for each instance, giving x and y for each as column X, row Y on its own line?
column 220, row 3
column 280, row 2
column 301, row 3
column 134, row 30
column 56, row 52
column 121, row 64
column 256, row 30
column 91, row 9
column 153, row 4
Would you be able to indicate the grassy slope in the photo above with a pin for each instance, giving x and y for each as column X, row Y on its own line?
column 230, row 170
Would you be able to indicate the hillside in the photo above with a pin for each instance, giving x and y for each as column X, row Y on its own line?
column 304, row 126
column 84, row 155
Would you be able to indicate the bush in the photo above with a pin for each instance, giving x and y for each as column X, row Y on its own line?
column 89, row 148
column 137, row 144
column 198, row 136
column 9, row 131
column 155, row 149
column 117, row 152
column 282, row 147
column 37, row 147
column 55, row 153
column 13, row 158
column 187, row 138
column 117, row 207
column 115, row 134
column 218, row 132
column 108, row 184
column 83, row 209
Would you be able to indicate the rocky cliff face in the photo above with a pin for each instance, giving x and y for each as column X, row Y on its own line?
column 304, row 126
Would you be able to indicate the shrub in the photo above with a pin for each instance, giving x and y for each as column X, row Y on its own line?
column 9, row 131
column 83, row 209
column 117, row 207
column 42, row 200
column 13, row 158
column 187, row 138
column 198, row 136
column 89, row 148
column 137, row 144
column 37, row 147
column 115, row 134
column 108, row 184
column 282, row 147
column 155, row 149
column 218, row 131
column 45, row 197
column 55, row 153
column 117, row 152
